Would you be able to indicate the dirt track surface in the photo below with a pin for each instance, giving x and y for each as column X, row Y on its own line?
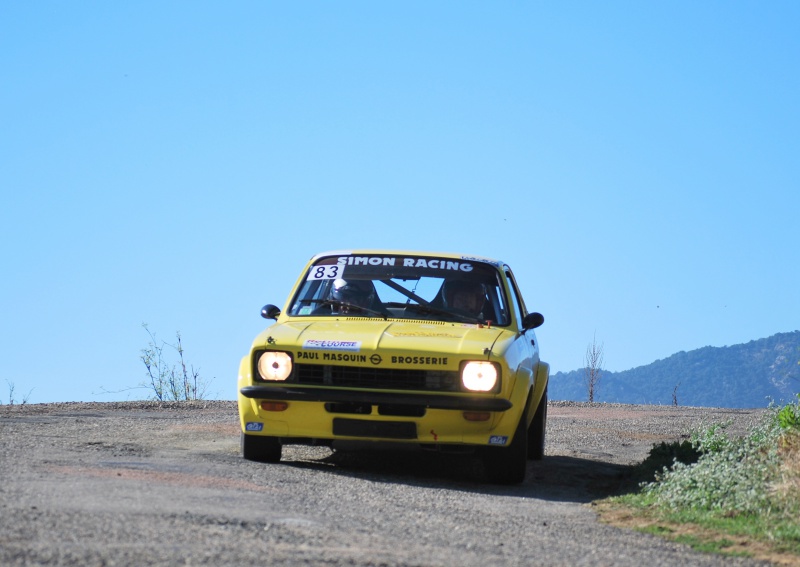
column 140, row 483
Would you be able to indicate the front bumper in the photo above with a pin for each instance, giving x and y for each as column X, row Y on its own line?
column 426, row 400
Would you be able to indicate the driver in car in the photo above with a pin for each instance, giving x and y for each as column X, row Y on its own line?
column 357, row 293
column 466, row 296
column 352, row 297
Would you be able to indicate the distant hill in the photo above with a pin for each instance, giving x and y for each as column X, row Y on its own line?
column 740, row 376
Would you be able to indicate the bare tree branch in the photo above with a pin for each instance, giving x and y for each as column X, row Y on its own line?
column 594, row 362
column 170, row 381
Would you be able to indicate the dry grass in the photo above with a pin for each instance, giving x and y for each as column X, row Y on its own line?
column 788, row 486
column 646, row 521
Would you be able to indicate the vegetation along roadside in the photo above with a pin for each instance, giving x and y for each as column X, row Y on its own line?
column 723, row 494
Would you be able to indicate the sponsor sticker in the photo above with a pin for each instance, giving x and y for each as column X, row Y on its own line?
column 498, row 439
column 479, row 259
column 253, row 426
column 427, row 263
column 429, row 360
column 338, row 356
column 314, row 344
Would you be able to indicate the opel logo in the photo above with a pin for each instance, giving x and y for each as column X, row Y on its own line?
column 375, row 359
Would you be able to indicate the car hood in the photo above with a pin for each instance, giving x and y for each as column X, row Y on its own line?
column 371, row 335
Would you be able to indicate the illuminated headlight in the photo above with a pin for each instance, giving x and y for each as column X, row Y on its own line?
column 479, row 376
column 275, row 366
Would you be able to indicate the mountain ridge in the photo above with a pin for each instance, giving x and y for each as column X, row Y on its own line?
column 746, row 375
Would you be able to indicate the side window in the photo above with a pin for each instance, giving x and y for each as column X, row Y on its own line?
column 497, row 300
column 516, row 300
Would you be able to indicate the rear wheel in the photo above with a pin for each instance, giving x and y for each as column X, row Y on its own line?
column 508, row 465
column 536, row 431
column 261, row 449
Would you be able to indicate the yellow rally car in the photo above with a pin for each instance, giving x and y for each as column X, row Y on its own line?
column 434, row 350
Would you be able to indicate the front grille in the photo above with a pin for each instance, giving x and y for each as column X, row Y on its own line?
column 377, row 378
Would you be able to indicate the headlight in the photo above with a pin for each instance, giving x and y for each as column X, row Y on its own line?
column 479, row 376
column 275, row 366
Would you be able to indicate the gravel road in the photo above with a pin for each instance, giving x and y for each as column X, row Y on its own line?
column 142, row 483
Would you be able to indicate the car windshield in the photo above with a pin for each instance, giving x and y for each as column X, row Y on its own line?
column 403, row 287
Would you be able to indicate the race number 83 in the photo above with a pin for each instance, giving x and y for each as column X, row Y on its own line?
column 325, row 272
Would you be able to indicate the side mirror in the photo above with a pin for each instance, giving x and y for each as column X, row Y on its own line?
column 532, row 320
column 270, row 311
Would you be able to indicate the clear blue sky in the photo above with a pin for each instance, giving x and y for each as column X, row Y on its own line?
column 176, row 163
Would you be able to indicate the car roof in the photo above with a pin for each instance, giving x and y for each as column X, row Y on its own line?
column 381, row 251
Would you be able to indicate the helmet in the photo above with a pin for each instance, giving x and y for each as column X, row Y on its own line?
column 452, row 287
column 471, row 295
column 357, row 292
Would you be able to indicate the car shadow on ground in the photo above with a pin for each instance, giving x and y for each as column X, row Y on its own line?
column 557, row 477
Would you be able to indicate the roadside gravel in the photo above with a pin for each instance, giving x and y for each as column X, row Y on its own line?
column 142, row 483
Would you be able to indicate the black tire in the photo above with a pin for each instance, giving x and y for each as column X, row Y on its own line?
column 508, row 465
column 537, row 430
column 261, row 449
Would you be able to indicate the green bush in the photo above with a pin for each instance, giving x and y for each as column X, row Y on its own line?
column 789, row 416
column 712, row 439
column 748, row 487
column 731, row 476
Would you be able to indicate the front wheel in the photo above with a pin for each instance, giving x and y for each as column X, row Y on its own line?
column 508, row 465
column 261, row 449
column 536, row 431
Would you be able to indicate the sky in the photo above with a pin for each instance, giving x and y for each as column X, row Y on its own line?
column 176, row 164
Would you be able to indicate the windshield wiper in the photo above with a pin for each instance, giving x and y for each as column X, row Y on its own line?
column 337, row 303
